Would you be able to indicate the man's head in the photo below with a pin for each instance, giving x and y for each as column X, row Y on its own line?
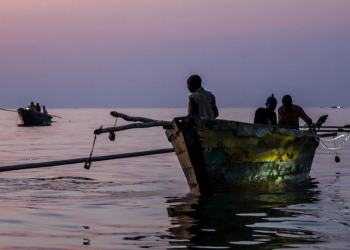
column 193, row 83
column 271, row 102
column 287, row 100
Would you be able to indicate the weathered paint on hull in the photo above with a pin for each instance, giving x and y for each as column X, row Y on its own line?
column 224, row 156
column 33, row 118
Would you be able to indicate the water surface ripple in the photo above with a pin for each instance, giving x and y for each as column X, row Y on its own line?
column 143, row 202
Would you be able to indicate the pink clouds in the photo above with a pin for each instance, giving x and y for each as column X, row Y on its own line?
column 158, row 20
column 77, row 43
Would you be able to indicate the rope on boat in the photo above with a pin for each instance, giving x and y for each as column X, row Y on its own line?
column 335, row 148
column 88, row 161
column 112, row 134
column 333, row 139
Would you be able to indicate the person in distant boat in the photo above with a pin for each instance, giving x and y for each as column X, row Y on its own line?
column 44, row 110
column 37, row 107
column 288, row 114
column 267, row 116
column 202, row 103
column 32, row 106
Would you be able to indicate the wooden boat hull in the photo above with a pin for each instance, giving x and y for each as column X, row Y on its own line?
column 228, row 156
column 33, row 118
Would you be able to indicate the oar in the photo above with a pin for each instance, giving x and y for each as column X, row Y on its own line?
column 83, row 160
column 8, row 110
column 56, row 116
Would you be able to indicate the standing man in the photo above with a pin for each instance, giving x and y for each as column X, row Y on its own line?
column 288, row 114
column 202, row 103
column 267, row 116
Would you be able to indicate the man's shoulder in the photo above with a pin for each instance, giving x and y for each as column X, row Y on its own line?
column 281, row 109
column 297, row 107
column 260, row 110
column 194, row 95
column 201, row 92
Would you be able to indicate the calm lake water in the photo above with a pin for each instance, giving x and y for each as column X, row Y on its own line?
column 144, row 202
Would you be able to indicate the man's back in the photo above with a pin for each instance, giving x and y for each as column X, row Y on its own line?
column 291, row 119
column 204, row 102
column 265, row 116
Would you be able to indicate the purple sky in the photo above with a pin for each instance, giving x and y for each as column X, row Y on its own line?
column 128, row 53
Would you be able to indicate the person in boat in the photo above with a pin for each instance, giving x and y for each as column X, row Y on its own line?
column 267, row 116
column 44, row 110
column 202, row 103
column 289, row 114
column 32, row 106
column 37, row 107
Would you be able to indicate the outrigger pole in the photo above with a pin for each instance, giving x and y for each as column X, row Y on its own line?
column 144, row 123
column 8, row 110
column 84, row 160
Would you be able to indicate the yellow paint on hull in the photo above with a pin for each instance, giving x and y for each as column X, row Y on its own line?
column 223, row 155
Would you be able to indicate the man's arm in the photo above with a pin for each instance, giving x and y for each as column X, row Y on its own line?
column 257, row 116
column 215, row 108
column 281, row 120
column 304, row 116
column 192, row 108
column 274, row 119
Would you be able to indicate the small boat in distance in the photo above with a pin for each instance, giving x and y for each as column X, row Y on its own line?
column 31, row 117
column 337, row 107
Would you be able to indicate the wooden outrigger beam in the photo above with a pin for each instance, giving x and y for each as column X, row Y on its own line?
column 131, row 118
column 144, row 123
column 131, row 126
column 83, row 160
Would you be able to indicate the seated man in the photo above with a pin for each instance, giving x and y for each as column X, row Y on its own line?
column 202, row 103
column 37, row 107
column 267, row 116
column 32, row 106
column 44, row 110
column 288, row 114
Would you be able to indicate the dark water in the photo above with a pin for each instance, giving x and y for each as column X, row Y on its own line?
column 144, row 202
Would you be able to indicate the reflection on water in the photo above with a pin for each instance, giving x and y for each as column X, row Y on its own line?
column 143, row 202
column 244, row 220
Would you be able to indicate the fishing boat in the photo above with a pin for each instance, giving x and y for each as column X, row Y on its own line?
column 31, row 117
column 223, row 156
column 219, row 155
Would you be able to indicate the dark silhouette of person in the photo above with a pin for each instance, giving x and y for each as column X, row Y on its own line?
column 267, row 116
column 289, row 113
column 32, row 106
column 44, row 110
column 37, row 107
column 202, row 103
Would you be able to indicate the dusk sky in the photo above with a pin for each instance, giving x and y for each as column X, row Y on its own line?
column 139, row 53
